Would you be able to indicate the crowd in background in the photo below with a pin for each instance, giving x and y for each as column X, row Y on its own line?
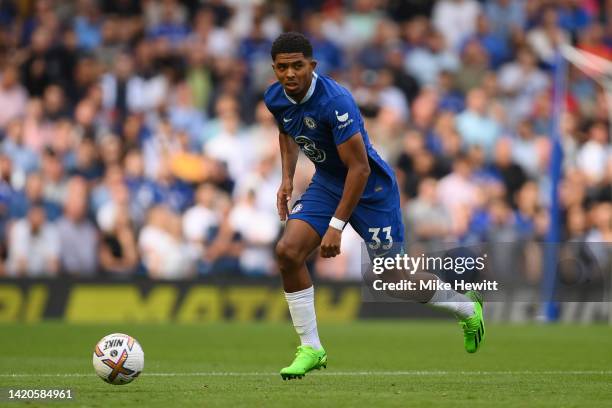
column 134, row 139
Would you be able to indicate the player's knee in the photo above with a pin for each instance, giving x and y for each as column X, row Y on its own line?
column 287, row 254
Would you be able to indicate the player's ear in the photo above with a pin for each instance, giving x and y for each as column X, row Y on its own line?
column 274, row 70
column 313, row 64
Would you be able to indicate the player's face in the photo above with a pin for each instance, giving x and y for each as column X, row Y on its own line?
column 294, row 72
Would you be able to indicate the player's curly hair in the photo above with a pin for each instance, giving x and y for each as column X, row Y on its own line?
column 291, row 42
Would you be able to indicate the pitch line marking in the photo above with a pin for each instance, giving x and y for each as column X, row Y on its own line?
column 330, row 373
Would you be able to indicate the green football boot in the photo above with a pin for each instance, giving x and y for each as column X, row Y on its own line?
column 306, row 359
column 473, row 326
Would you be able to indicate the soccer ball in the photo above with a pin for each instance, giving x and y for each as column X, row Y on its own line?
column 118, row 358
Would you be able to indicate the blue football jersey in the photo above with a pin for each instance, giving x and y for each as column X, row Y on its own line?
column 326, row 117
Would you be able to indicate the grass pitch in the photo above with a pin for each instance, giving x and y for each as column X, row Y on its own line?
column 371, row 363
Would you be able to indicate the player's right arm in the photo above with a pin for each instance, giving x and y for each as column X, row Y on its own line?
column 289, row 156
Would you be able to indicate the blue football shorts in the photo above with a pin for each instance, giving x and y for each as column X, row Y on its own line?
column 378, row 222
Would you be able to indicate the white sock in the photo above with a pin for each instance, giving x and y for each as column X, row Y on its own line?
column 301, row 307
column 459, row 304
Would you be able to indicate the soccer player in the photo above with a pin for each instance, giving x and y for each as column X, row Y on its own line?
column 352, row 184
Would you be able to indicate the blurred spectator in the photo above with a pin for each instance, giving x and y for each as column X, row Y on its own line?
column 87, row 24
column 184, row 115
column 23, row 158
column 166, row 19
column 35, row 133
column 458, row 193
column 163, row 252
column 427, row 61
column 223, row 254
column 372, row 54
column 142, row 190
column 112, row 199
column 110, row 42
column 54, row 104
column 6, row 197
column 594, row 155
column 228, row 140
column 416, row 164
column 495, row 45
column 474, row 66
column 545, row 37
column 78, row 238
column 55, row 183
column 34, row 248
column 475, row 125
column 255, row 51
column 214, row 38
column 526, row 202
column 198, row 77
column 451, row 99
column 264, row 181
column 329, row 56
column 456, row 19
column 511, row 174
column 13, row 96
column 573, row 15
column 87, row 163
column 121, row 88
column 336, row 28
column 526, row 150
column 502, row 227
column 118, row 252
column 159, row 147
column 258, row 230
column 601, row 221
column 158, row 12
column 175, row 193
column 33, row 195
column 507, row 17
column 391, row 98
column 521, row 81
column 401, row 79
column 362, row 20
column 263, row 134
column 202, row 218
column 38, row 69
column 427, row 218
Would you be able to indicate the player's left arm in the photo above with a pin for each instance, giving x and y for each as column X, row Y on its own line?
column 353, row 154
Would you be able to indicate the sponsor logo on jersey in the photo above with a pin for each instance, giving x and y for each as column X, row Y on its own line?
column 287, row 120
column 345, row 124
column 342, row 118
column 310, row 149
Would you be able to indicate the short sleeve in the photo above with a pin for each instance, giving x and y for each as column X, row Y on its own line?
column 343, row 117
column 277, row 119
column 274, row 113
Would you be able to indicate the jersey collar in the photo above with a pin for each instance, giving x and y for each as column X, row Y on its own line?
column 306, row 97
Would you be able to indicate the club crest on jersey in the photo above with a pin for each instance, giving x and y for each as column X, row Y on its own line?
column 297, row 208
column 310, row 122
